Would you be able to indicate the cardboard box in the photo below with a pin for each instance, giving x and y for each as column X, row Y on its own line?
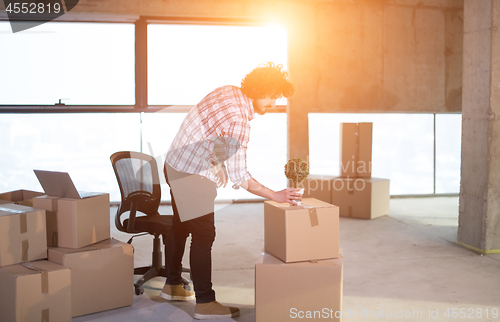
column 34, row 292
column 76, row 223
column 22, row 234
column 364, row 198
column 318, row 187
column 301, row 233
column 309, row 291
column 20, row 197
column 102, row 275
column 356, row 150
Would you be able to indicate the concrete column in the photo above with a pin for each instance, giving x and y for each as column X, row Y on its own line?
column 479, row 211
column 303, row 68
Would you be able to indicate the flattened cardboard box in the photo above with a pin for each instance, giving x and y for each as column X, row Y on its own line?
column 318, row 187
column 301, row 233
column 309, row 291
column 20, row 197
column 363, row 198
column 75, row 223
column 102, row 275
column 356, row 150
column 22, row 234
column 34, row 292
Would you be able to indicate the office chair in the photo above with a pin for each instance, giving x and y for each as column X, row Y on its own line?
column 137, row 176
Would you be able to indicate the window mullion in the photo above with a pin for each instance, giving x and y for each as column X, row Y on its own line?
column 141, row 64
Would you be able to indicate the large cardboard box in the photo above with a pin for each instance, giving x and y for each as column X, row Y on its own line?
column 356, row 150
column 20, row 197
column 34, row 292
column 75, row 223
column 301, row 233
column 309, row 291
column 318, row 187
column 102, row 275
column 22, row 234
column 364, row 198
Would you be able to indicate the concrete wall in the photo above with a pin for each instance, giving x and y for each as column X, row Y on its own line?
column 376, row 56
column 479, row 211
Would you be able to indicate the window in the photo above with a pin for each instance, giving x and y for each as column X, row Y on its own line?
column 402, row 151
column 266, row 149
column 79, row 144
column 186, row 62
column 448, row 150
column 80, row 63
column 94, row 64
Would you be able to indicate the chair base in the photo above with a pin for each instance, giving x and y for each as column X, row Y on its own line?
column 150, row 273
column 156, row 269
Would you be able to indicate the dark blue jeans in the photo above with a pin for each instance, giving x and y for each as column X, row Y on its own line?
column 202, row 230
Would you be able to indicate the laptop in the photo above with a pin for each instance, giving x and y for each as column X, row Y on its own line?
column 59, row 184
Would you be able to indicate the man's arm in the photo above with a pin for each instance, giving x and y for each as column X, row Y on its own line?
column 290, row 195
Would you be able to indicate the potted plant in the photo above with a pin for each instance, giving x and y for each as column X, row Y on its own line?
column 296, row 170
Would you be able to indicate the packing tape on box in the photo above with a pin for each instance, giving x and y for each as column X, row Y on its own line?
column 54, row 202
column 45, row 315
column 313, row 214
column 313, row 217
column 44, row 275
column 23, row 223
column 25, row 245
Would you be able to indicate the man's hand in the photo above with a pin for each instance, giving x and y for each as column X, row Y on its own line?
column 220, row 173
column 290, row 195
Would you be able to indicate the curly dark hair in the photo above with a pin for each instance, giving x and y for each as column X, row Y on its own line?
column 267, row 80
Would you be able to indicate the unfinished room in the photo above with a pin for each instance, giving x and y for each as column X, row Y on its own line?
column 249, row 160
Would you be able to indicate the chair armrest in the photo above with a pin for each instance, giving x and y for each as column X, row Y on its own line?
column 135, row 199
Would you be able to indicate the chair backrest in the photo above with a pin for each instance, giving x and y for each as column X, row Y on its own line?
column 138, row 179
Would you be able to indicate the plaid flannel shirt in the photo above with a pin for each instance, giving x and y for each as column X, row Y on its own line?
column 215, row 131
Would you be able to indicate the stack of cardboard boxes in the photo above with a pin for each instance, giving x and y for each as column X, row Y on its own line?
column 86, row 271
column 355, row 191
column 31, row 288
column 299, row 273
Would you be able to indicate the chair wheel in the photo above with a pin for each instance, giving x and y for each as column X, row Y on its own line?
column 139, row 290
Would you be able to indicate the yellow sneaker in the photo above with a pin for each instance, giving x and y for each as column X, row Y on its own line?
column 176, row 293
column 214, row 310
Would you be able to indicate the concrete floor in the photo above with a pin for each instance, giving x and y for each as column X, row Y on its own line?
column 405, row 264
